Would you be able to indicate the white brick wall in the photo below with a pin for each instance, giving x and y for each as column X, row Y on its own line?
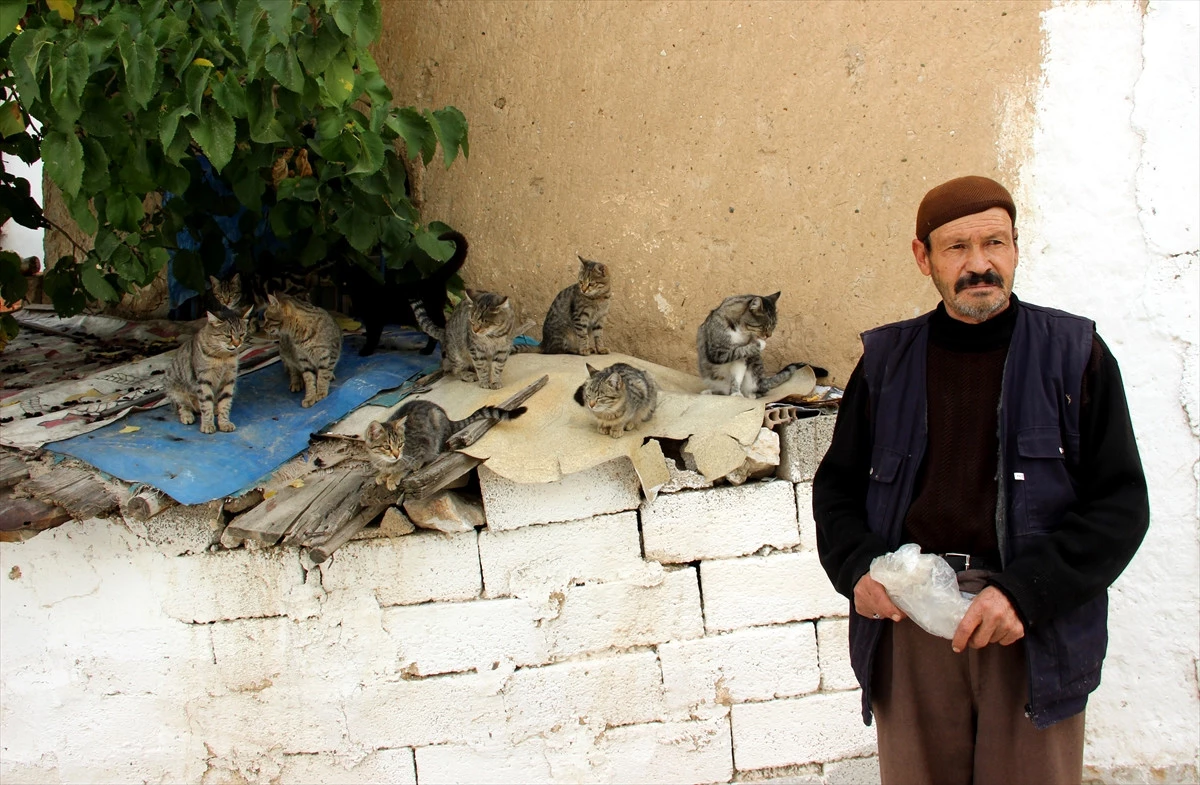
column 391, row 766
column 416, row 568
column 720, row 523
column 748, row 665
column 609, row 487
column 232, row 584
column 553, row 556
column 833, row 650
column 813, row 728
column 771, row 589
column 445, row 637
column 415, row 713
column 804, row 513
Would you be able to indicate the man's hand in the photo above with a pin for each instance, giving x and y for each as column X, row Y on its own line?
column 990, row 618
column 871, row 600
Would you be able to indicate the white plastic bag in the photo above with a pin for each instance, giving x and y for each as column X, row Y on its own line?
column 924, row 586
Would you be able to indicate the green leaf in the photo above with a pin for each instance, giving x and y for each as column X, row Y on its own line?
column 302, row 188
column 416, row 132
column 339, row 81
column 95, row 166
column 215, row 132
column 68, row 77
column 11, row 121
column 11, row 12
column 155, row 260
column 81, row 214
column 251, row 23
column 450, row 126
column 61, row 283
column 230, row 95
column 359, row 229
column 282, row 64
column 370, row 24
column 27, row 58
column 107, row 241
column 195, row 83
column 345, row 14
column 317, row 51
column 98, row 286
column 124, row 211
column 9, row 327
column 128, row 265
column 62, row 155
column 428, row 241
column 139, row 59
column 279, row 17
column 169, row 124
column 13, row 286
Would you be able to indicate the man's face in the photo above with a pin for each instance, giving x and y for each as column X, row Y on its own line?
column 971, row 261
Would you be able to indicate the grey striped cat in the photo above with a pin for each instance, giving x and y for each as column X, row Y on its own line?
column 204, row 371
column 228, row 294
column 416, row 434
column 729, row 346
column 620, row 397
column 477, row 338
column 310, row 344
column 575, row 322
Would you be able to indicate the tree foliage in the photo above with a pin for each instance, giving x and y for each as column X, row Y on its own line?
column 280, row 99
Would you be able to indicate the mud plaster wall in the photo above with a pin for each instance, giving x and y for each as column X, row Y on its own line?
column 710, row 149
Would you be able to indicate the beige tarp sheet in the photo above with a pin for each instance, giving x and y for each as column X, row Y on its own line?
column 558, row 436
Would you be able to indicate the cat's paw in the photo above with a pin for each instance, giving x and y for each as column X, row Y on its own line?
column 296, row 386
column 309, row 401
column 226, row 426
column 207, row 427
column 585, row 351
column 187, row 418
column 491, row 385
column 600, row 350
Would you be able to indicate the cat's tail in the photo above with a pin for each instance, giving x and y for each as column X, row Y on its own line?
column 766, row 385
column 426, row 324
column 488, row 413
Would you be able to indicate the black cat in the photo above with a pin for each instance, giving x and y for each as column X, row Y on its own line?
column 377, row 304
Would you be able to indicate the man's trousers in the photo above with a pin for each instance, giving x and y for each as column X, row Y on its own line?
column 959, row 719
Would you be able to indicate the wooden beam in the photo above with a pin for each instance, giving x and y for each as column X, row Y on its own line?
column 12, row 469
column 21, row 519
column 337, row 503
column 449, row 466
column 321, row 551
column 80, row 492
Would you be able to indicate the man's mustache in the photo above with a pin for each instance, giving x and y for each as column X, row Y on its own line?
column 974, row 279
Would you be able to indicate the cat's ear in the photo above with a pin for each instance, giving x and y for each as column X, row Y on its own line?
column 469, row 295
column 615, row 381
column 213, row 281
column 374, row 432
column 581, row 260
column 246, row 313
column 591, row 371
column 755, row 305
column 236, row 280
column 579, row 395
column 212, row 319
column 772, row 298
column 272, row 300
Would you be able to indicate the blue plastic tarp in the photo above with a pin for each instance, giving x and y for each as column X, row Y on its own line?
column 272, row 427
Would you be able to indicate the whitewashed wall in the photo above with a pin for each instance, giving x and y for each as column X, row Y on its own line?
column 560, row 653
column 1111, row 201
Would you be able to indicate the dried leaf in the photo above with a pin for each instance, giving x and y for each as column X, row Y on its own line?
column 130, row 429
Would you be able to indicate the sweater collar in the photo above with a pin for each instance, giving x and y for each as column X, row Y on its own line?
column 947, row 332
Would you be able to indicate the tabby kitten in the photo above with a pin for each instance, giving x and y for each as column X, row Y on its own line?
column 227, row 295
column 574, row 323
column 730, row 342
column 204, row 370
column 416, row 434
column 310, row 343
column 620, row 397
column 477, row 338
column 392, row 302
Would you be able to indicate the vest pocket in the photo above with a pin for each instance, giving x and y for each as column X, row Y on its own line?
column 882, row 494
column 1041, row 482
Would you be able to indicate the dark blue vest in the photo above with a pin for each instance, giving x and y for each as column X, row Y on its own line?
column 1039, row 452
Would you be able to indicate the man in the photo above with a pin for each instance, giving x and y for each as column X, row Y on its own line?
column 997, row 433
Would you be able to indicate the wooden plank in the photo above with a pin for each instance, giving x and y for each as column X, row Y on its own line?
column 450, row 466
column 147, row 504
column 323, row 550
column 79, row 492
column 268, row 521
column 336, row 504
column 21, row 519
column 12, row 469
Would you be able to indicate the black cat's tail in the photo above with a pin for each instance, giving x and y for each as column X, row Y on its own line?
column 426, row 324
column 488, row 413
column 766, row 385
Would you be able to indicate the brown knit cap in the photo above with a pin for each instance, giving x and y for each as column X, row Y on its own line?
column 958, row 197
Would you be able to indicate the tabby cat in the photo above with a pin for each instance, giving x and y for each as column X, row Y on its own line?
column 620, row 397
column 227, row 295
column 204, row 370
column 477, row 338
column 310, row 343
column 730, row 343
column 416, row 434
column 574, row 323
column 392, row 302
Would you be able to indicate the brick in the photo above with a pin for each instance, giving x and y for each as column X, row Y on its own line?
column 393, row 766
column 556, row 555
column 668, row 752
column 748, row 665
column 281, row 717
column 181, row 529
column 775, row 589
column 620, row 615
column 232, row 585
column 413, row 713
column 833, row 650
column 445, row 637
column 446, row 512
column 494, row 762
column 802, row 445
column 812, row 729
column 407, row 570
column 720, row 523
column 607, row 488
column 804, row 514
column 602, row 692
column 854, row 771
